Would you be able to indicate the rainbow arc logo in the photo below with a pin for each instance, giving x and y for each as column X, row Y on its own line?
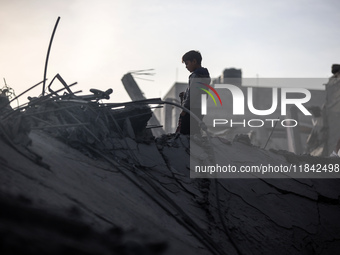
column 209, row 93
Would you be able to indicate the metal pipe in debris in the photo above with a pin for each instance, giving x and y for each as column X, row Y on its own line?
column 61, row 126
column 79, row 122
column 48, row 54
column 38, row 100
column 160, row 101
column 22, row 93
column 53, row 110
column 270, row 135
column 47, row 97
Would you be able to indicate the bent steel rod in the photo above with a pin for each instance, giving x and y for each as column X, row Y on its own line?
column 48, row 54
column 22, row 94
column 160, row 101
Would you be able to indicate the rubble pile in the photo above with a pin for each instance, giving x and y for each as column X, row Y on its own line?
column 100, row 162
column 79, row 121
column 79, row 176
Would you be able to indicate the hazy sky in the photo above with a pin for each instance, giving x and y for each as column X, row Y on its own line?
column 98, row 41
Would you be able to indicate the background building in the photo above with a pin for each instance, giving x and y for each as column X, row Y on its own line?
column 292, row 139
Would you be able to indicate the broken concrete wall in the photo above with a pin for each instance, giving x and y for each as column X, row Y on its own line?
column 136, row 94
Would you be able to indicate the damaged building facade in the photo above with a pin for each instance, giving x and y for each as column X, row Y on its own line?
column 291, row 139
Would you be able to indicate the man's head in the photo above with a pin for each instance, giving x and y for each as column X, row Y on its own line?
column 192, row 60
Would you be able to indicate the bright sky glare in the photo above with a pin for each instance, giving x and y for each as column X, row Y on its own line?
column 97, row 42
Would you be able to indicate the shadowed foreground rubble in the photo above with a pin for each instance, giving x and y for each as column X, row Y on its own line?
column 84, row 182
